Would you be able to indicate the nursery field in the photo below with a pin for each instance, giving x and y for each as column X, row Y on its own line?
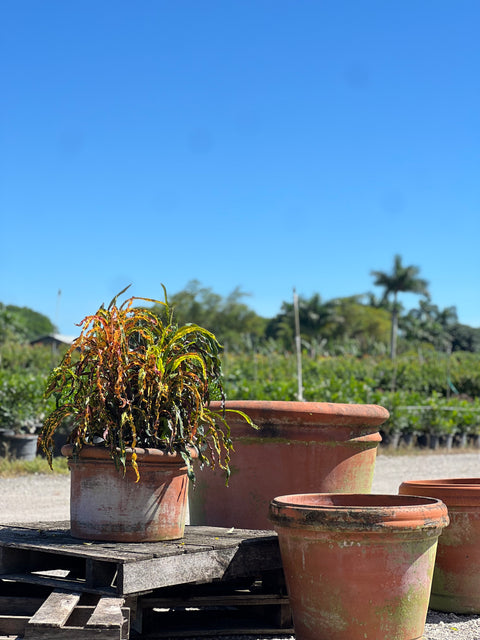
column 433, row 399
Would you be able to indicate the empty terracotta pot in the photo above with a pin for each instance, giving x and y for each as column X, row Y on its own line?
column 299, row 447
column 456, row 579
column 358, row 566
column 105, row 504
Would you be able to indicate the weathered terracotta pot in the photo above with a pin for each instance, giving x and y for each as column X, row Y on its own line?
column 456, row 579
column 358, row 566
column 22, row 446
column 300, row 447
column 107, row 505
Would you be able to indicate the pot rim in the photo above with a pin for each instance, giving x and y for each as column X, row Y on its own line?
column 313, row 413
column 144, row 456
column 471, row 483
column 359, row 512
column 454, row 492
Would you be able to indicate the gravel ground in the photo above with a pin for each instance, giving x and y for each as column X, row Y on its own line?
column 39, row 497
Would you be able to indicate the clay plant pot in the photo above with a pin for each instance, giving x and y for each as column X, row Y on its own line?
column 300, row 447
column 21, row 446
column 107, row 505
column 358, row 566
column 456, row 579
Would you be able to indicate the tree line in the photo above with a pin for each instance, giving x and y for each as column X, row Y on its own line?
column 363, row 324
column 357, row 325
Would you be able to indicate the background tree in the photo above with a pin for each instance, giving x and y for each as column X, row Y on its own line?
column 354, row 321
column 429, row 324
column 22, row 324
column 402, row 279
column 465, row 338
column 232, row 321
column 314, row 316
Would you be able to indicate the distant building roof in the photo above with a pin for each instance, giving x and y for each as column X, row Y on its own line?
column 54, row 338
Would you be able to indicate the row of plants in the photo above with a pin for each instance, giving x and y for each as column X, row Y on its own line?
column 426, row 393
column 271, row 374
column 431, row 399
column 22, row 402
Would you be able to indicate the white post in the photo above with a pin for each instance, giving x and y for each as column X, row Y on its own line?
column 298, row 346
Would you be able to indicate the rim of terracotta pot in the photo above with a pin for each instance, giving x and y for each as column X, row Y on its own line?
column 144, row 456
column 310, row 413
column 452, row 491
column 359, row 512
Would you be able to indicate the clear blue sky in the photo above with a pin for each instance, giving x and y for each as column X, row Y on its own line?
column 263, row 144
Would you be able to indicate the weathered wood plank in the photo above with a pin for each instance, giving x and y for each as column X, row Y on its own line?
column 67, row 546
column 198, row 623
column 164, row 572
column 72, row 633
column 107, row 613
column 56, row 610
column 217, row 600
column 197, row 631
column 60, row 541
column 59, row 583
column 82, row 614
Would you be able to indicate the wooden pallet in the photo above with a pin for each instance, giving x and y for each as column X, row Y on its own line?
column 47, row 554
column 63, row 616
column 214, row 581
column 165, row 613
column 198, row 611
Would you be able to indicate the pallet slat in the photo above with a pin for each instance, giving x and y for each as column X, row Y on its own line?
column 56, row 610
column 107, row 613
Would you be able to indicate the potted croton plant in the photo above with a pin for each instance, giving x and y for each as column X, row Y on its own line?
column 137, row 389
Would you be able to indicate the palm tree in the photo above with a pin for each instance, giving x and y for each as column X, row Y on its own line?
column 401, row 280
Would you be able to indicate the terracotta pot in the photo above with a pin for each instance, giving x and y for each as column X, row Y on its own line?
column 456, row 579
column 300, row 447
column 358, row 566
column 22, row 446
column 107, row 505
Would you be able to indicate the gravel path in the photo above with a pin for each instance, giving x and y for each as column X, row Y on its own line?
column 39, row 497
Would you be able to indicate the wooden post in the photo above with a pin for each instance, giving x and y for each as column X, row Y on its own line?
column 298, row 346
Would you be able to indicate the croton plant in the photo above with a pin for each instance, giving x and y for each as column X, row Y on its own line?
column 133, row 378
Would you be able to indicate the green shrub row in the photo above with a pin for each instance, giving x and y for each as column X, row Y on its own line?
column 425, row 394
column 22, row 405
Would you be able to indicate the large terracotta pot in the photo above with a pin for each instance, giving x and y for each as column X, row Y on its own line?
column 300, row 447
column 456, row 579
column 105, row 504
column 358, row 566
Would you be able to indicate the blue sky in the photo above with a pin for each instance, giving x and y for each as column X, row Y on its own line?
column 260, row 144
